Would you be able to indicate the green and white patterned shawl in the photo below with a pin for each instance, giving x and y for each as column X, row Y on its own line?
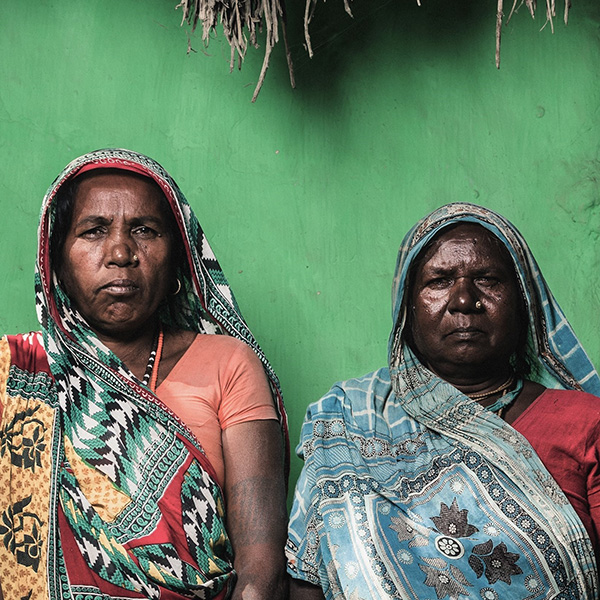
column 159, row 527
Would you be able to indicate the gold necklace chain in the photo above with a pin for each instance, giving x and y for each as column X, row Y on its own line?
column 499, row 389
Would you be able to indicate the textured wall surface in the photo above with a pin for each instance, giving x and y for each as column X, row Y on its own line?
column 306, row 194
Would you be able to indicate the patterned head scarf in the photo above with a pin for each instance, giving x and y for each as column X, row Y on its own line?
column 206, row 304
column 564, row 362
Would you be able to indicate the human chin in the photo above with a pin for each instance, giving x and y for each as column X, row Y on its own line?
column 116, row 318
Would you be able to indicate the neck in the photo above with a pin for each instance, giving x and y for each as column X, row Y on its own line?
column 476, row 385
column 488, row 397
column 132, row 347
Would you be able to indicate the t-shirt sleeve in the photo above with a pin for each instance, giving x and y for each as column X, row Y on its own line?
column 246, row 394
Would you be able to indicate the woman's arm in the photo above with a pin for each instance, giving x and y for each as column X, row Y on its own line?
column 255, row 508
column 302, row 590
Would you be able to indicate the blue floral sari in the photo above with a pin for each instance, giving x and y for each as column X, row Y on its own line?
column 412, row 490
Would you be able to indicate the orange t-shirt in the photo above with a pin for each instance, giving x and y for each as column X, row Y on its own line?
column 217, row 383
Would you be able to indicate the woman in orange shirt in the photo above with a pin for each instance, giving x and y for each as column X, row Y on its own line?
column 143, row 435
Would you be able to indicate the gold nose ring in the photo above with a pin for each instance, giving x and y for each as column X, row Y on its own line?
column 135, row 258
column 478, row 305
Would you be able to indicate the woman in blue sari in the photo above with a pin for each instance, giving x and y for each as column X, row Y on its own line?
column 467, row 468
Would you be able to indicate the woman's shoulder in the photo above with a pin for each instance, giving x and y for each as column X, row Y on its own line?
column 216, row 340
column 222, row 347
column 221, row 356
column 570, row 397
column 25, row 351
column 570, row 408
column 371, row 381
column 356, row 393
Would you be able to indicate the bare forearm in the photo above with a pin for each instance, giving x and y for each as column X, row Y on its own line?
column 255, row 509
column 262, row 586
column 256, row 514
column 256, row 519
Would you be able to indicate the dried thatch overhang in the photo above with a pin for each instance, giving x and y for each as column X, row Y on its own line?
column 242, row 20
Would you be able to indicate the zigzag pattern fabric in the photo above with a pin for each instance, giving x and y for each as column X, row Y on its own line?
column 126, row 503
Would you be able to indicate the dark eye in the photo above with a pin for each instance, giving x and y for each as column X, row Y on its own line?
column 93, row 232
column 438, row 283
column 146, row 232
column 487, row 281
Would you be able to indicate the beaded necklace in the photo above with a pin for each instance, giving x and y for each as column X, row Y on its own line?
column 151, row 373
column 502, row 404
column 501, row 388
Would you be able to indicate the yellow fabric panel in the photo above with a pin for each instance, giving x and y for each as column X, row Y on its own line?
column 18, row 482
column 98, row 489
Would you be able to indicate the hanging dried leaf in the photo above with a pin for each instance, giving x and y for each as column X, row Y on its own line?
column 530, row 4
column 309, row 11
column 238, row 17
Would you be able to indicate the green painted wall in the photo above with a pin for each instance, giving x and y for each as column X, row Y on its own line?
column 306, row 194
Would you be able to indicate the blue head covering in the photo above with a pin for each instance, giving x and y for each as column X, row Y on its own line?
column 564, row 362
column 411, row 489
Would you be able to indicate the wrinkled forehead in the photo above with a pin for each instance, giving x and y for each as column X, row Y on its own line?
column 462, row 235
column 113, row 173
column 78, row 172
column 129, row 168
column 102, row 179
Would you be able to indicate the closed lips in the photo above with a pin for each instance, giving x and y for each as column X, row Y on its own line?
column 120, row 285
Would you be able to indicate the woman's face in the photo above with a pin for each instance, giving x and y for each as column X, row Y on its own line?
column 459, row 339
column 117, row 254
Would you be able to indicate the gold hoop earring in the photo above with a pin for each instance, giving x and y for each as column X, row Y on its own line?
column 178, row 288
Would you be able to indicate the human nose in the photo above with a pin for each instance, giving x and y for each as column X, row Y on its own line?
column 121, row 252
column 463, row 296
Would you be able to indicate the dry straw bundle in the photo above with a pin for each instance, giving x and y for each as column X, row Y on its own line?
column 240, row 16
column 237, row 17
column 530, row 4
